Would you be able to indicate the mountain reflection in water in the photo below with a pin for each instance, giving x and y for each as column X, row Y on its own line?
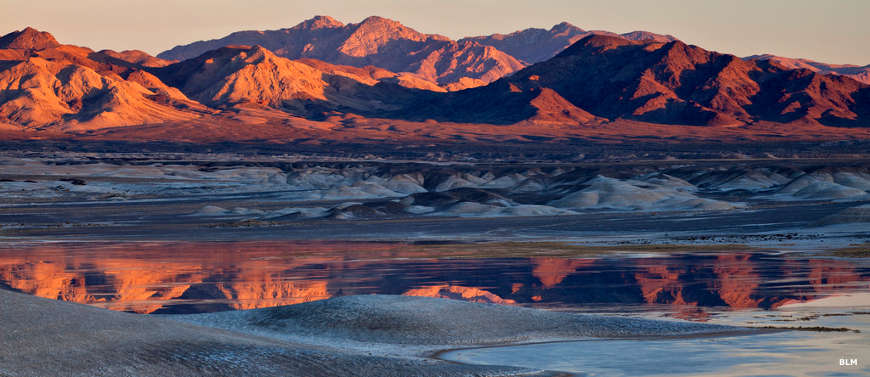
column 189, row 277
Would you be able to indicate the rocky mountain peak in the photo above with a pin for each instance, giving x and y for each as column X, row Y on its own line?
column 28, row 39
column 563, row 27
column 320, row 22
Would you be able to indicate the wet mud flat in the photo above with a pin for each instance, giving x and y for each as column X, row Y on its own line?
column 816, row 339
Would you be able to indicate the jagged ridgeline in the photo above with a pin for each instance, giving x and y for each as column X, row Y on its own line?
column 381, row 80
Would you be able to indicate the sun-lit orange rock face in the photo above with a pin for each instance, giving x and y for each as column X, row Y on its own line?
column 28, row 39
column 458, row 292
column 136, row 57
column 243, row 74
column 74, row 88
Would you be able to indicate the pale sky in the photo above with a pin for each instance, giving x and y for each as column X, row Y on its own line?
column 832, row 31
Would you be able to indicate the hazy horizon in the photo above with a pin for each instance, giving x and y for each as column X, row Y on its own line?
column 830, row 33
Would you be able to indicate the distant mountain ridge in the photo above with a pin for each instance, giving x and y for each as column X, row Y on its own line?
column 536, row 45
column 388, row 44
column 859, row 73
column 377, row 42
column 324, row 38
column 602, row 84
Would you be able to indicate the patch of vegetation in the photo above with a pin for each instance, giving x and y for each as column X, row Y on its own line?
column 806, row 318
column 811, row 328
column 853, row 251
column 249, row 223
column 560, row 249
column 74, row 181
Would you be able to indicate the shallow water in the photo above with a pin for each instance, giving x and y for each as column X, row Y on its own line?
column 190, row 277
column 788, row 353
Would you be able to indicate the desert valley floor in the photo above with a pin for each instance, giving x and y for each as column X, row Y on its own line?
column 295, row 265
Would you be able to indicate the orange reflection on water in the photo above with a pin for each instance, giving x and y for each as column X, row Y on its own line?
column 460, row 293
column 183, row 277
column 551, row 271
column 142, row 277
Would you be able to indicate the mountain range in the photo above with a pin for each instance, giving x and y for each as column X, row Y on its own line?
column 388, row 44
column 378, row 79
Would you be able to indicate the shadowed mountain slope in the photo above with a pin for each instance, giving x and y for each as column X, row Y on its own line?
column 675, row 83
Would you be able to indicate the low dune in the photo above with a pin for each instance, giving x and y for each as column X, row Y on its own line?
column 342, row 336
column 434, row 321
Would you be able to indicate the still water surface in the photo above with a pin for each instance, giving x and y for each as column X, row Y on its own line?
column 190, row 277
column 789, row 353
